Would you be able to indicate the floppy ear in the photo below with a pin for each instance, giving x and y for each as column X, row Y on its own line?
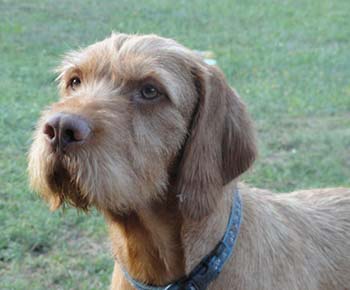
column 220, row 146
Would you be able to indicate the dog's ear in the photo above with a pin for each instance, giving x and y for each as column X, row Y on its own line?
column 220, row 145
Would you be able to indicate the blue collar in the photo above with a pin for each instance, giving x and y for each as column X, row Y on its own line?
column 210, row 267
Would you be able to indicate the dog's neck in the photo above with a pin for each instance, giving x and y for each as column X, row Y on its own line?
column 201, row 237
column 157, row 246
column 147, row 243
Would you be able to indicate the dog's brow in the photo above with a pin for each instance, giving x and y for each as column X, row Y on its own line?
column 150, row 79
column 68, row 72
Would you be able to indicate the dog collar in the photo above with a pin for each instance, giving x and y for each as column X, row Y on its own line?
column 210, row 267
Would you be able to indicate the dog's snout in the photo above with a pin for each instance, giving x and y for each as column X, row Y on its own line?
column 63, row 130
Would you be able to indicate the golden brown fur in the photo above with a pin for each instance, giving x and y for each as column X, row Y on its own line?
column 162, row 172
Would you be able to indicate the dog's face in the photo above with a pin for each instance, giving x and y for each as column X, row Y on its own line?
column 136, row 112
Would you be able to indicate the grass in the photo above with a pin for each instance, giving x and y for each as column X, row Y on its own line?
column 290, row 61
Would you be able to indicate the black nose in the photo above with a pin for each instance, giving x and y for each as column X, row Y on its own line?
column 63, row 130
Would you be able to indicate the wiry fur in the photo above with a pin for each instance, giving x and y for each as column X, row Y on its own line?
column 162, row 172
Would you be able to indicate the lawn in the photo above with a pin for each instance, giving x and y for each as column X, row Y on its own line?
column 288, row 59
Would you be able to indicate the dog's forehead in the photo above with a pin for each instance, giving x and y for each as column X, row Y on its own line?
column 127, row 56
column 123, row 58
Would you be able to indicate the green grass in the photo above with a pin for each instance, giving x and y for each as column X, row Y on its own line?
column 289, row 60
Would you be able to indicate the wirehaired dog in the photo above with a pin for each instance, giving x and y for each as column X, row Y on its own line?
column 155, row 139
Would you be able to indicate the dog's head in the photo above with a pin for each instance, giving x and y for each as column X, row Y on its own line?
column 140, row 117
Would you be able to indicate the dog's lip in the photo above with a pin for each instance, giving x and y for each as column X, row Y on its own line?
column 63, row 184
column 60, row 178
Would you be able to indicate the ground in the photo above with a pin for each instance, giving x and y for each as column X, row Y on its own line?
column 289, row 60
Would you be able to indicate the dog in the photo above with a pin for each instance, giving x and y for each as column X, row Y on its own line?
column 155, row 139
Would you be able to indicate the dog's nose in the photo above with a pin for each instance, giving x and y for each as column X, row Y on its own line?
column 64, row 129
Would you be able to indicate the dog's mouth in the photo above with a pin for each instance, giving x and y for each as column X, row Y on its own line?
column 63, row 182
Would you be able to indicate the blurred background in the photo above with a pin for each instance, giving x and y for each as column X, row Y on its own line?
column 288, row 59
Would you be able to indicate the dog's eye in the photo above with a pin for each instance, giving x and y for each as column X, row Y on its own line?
column 74, row 82
column 149, row 92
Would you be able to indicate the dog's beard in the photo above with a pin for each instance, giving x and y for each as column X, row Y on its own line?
column 92, row 177
column 62, row 180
